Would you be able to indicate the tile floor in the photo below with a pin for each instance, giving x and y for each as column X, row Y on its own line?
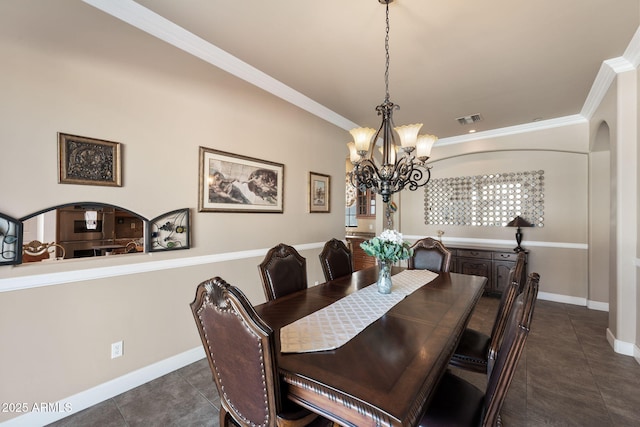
column 568, row 376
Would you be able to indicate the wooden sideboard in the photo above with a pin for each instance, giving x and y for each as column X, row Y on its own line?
column 360, row 259
column 492, row 263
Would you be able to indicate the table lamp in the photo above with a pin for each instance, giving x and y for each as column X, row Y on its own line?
column 519, row 222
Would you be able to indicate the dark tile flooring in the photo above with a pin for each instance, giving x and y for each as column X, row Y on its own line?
column 568, row 376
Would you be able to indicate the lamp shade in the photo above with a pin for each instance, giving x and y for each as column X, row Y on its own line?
column 362, row 138
column 353, row 154
column 424, row 145
column 408, row 134
column 519, row 222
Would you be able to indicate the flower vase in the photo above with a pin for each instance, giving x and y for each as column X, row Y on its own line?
column 384, row 277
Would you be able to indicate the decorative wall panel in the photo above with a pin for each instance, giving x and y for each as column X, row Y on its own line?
column 485, row 200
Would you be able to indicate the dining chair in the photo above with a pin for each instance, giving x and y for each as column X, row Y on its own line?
column 283, row 271
column 240, row 350
column 336, row 260
column 39, row 251
column 477, row 350
column 457, row 402
column 430, row 254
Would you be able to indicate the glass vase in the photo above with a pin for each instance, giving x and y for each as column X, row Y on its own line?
column 384, row 277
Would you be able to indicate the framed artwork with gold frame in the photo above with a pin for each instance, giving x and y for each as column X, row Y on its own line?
column 319, row 193
column 88, row 161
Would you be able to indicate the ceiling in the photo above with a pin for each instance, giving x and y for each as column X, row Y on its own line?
column 512, row 62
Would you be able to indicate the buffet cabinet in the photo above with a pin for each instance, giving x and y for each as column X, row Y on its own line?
column 492, row 263
column 360, row 258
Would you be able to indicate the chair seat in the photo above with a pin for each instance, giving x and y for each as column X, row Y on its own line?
column 455, row 403
column 472, row 351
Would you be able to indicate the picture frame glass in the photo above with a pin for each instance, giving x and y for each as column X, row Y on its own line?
column 88, row 161
column 236, row 183
column 319, row 192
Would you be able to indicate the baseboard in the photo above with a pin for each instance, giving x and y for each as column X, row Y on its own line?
column 565, row 299
column 636, row 353
column 597, row 305
column 622, row 347
column 85, row 399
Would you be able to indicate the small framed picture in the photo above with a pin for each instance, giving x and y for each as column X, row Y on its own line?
column 88, row 161
column 235, row 183
column 319, row 192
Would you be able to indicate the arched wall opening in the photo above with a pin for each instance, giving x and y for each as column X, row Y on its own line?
column 600, row 294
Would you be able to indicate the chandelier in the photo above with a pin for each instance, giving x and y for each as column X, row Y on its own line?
column 399, row 167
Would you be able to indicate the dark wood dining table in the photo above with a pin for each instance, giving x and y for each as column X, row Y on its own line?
column 386, row 374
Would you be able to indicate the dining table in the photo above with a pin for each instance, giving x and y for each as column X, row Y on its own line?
column 386, row 373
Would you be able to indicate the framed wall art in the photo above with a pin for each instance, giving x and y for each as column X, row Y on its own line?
column 169, row 231
column 88, row 161
column 319, row 192
column 10, row 240
column 234, row 183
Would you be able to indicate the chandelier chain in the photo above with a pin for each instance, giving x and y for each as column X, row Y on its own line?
column 386, row 48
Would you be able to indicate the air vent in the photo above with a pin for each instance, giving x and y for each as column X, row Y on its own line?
column 469, row 119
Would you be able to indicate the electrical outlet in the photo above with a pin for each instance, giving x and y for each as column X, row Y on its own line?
column 116, row 349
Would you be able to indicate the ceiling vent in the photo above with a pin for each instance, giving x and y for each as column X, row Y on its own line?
column 469, row 119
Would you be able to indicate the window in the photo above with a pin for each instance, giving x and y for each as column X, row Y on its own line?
column 366, row 204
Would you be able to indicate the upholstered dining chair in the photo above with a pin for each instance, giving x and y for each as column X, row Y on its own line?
column 430, row 254
column 477, row 350
column 39, row 251
column 457, row 402
column 336, row 260
column 240, row 350
column 283, row 271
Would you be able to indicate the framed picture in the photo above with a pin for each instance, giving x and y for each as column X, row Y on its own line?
column 169, row 231
column 319, row 192
column 234, row 183
column 88, row 161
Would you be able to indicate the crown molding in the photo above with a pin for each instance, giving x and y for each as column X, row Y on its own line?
column 513, row 130
column 150, row 22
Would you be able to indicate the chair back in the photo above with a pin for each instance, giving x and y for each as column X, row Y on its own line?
column 283, row 271
column 239, row 347
column 430, row 254
column 515, row 287
column 39, row 251
column 336, row 260
column 517, row 330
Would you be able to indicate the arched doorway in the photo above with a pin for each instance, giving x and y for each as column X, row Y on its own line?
column 599, row 292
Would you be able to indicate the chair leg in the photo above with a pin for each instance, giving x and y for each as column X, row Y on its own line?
column 224, row 417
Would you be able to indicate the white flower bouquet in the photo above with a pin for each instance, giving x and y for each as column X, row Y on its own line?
column 387, row 247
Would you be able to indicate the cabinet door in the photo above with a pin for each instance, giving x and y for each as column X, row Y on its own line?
column 476, row 267
column 501, row 275
column 360, row 259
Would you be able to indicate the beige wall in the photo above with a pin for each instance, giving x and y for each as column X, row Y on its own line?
column 565, row 213
column 161, row 105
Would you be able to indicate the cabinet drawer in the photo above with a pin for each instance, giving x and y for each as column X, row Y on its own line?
column 505, row 256
column 470, row 253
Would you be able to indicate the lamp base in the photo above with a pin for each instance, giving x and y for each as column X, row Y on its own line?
column 518, row 240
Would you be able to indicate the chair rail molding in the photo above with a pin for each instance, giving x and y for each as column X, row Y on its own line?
column 50, row 279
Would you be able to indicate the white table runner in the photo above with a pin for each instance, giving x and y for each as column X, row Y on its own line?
column 336, row 324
